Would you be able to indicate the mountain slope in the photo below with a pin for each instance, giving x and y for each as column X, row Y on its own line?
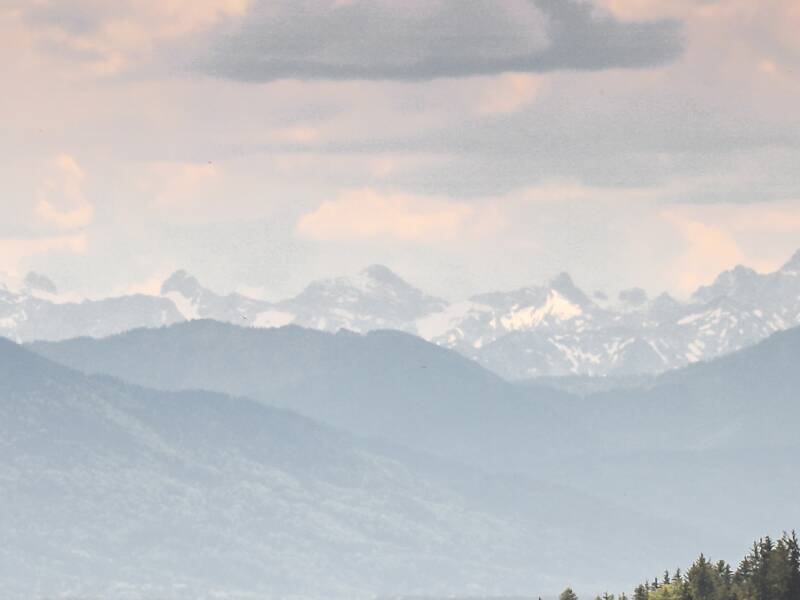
column 725, row 431
column 546, row 330
column 376, row 298
column 708, row 427
column 118, row 491
column 747, row 398
column 197, row 302
column 383, row 384
column 33, row 311
column 397, row 387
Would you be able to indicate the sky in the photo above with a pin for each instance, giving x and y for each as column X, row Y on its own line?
column 469, row 146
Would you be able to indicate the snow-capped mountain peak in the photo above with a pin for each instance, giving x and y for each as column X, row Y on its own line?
column 735, row 281
column 556, row 306
column 182, row 283
column 375, row 298
column 664, row 305
column 563, row 284
column 185, row 292
column 381, row 274
column 633, row 297
column 195, row 301
column 32, row 285
column 792, row 266
column 35, row 283
column 548, row 329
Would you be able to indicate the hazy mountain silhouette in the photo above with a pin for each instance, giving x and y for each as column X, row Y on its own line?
column 111, row 489
column 384, row 384
column 652, row 445
column 548, row 330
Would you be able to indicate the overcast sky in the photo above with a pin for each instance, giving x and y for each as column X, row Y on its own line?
column 468, row 145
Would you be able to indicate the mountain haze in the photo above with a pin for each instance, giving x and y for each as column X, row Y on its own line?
column 113, row 490
column 548, row 330
column 649, row 446
column 383, row 384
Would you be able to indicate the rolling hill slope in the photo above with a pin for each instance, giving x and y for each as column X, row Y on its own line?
column 110, row 489
column 652, row 447
column 383, row 384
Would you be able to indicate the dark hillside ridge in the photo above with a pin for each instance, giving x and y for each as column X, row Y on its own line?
column 654, row 448
column 114, row 490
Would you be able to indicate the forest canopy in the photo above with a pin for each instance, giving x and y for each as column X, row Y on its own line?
column 769, row 571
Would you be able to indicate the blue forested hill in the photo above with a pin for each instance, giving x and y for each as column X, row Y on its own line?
column 383, row 384
column 114, row 490
column 400, row 388
column 657, row 448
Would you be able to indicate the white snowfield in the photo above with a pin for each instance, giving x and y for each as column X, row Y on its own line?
column 547, row 330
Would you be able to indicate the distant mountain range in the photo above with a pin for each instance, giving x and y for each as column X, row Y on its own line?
column 695, row 432
column 384, row 384
column 117, row 491
column 33, row 310
column 551, row 330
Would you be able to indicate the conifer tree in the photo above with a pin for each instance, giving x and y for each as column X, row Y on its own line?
column 725, row 573
column 640, row 593
column 568, row 594
column 793, row 547
column 769, row 571
column 700, row 580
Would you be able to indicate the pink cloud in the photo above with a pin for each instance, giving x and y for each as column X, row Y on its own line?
column 61, row 199
column 718, row 237
column 366, row 213
column 508, row 93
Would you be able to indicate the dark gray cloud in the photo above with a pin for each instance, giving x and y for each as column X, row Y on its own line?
column 383, row 39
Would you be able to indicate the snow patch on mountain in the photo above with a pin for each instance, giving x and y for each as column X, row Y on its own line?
column 549, row 329
column 436, row 324
column 185, row 306
column 273, row 318
column 556, row 306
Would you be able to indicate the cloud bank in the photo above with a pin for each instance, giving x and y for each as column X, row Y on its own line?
column 367, row 39
column 368, row 214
